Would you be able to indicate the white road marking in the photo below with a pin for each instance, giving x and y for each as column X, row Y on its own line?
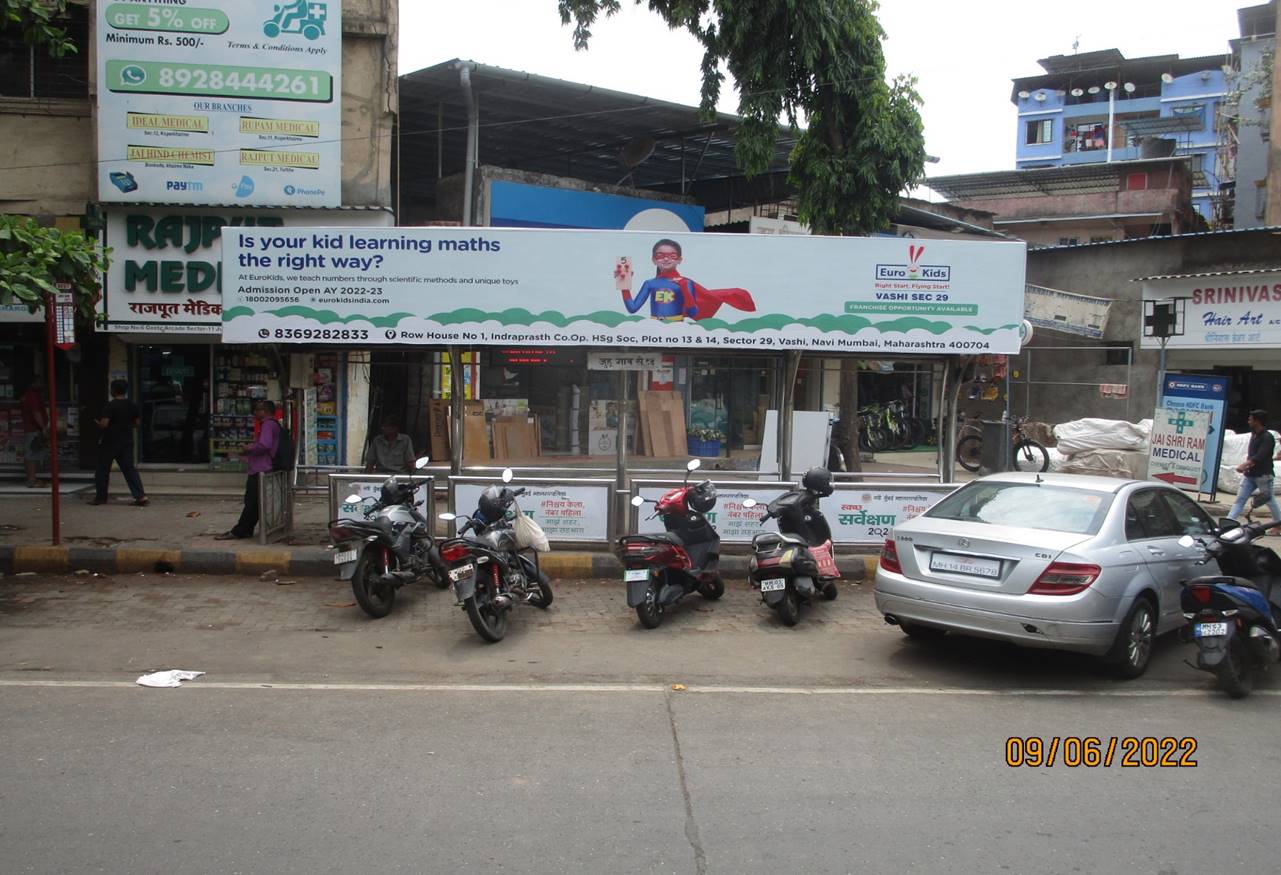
column 711, row 689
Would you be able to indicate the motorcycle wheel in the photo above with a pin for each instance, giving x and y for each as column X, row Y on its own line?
column 650, row 612
column 375, row 598
column 829, row 591
column 489, row 622
column 1235, row 673
column 789, row 608
column 713, row 590
column 544, row 598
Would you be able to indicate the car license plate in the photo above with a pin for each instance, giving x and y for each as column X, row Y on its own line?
column 979, row 566
column 774, row 585
column 346, row 556
column 634, row 574
column 457, row 574
column 1209, row 630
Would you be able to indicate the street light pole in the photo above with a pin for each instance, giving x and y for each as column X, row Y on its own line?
column 52, row 380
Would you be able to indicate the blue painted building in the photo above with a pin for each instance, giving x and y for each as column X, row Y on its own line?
column 1098, row 107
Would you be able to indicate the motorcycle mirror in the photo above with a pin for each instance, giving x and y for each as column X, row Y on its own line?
column 507, row 475
column 352, row 499
column 1187, row 541
column 637, row 501
column 749, row 502
column 447, row 516
column 422, row 463
column 693, row 464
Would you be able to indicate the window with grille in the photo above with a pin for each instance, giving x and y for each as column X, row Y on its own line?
column 1041, row 131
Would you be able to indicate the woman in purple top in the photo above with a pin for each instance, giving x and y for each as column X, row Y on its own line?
column 258, row 457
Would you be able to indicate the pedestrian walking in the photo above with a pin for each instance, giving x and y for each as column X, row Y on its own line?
column 35, row 430
column 1257, row 469
column 258, row 456
column 115, row 444
column 391, row 452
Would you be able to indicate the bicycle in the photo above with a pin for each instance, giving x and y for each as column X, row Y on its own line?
column 1028, row 454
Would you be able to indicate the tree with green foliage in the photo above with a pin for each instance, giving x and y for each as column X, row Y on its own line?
column 819, row 65
column 34, row 259
column 38, row 22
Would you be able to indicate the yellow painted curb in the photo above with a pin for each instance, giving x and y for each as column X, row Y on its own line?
column 131, row 559
column 869, row 567
column 566, row 564
column 40, row 559
column 259, row 561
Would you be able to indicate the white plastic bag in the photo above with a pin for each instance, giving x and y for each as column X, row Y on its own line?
column 1081, row 435
column 529, row 533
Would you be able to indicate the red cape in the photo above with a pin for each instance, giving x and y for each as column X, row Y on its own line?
column 709, row 301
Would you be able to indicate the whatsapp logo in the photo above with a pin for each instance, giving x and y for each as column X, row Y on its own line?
column 133, row 75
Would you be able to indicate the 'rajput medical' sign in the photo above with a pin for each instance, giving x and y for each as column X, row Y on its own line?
column 1180, row 439
column 605, row 288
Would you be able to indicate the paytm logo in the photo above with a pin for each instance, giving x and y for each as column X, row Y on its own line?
column 183, row 185
column 913, row 270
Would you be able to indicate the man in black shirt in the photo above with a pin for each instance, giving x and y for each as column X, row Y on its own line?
column 118, row 420
column 1257, row 468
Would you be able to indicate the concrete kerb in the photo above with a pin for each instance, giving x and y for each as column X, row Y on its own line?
column 317, row 562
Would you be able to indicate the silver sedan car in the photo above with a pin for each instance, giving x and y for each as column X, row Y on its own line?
column 1089, row 564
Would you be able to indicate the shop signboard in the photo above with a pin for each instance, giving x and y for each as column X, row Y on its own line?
column 521, row 205
column 1207, row 395
column 19, row 313
column 1225, row 311
column 860, row 514
column 624, row 361
column 1179, row 447
column 165, row 275
column 503, row 286
column 220, row 101
column 567, row 511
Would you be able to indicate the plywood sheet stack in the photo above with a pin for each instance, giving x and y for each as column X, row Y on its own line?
column 662, row 424
column 516, row 437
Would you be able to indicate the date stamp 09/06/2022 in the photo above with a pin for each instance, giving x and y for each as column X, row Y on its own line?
column 1093, row 752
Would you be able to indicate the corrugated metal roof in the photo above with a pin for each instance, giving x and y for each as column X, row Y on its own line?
column 1043, row 181
column 1187, row 276
column 1273, row 229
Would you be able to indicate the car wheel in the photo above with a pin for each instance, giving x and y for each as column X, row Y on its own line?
column 922, row 633
column 1133, row 648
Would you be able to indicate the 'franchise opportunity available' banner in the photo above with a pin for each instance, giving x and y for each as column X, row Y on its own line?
column 600, row 288
column 220, row 102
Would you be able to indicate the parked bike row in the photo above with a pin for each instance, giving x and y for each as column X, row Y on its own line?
column 1042, row 561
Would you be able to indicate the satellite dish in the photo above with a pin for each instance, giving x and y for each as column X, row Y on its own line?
column 1167, row 78
column 635, row 151
column 1077, row 92
column 1040, row 97
column 1094, row 89
column 1205, row 75
column 1110, row 86
column 1129, row 87
column 1024, row 95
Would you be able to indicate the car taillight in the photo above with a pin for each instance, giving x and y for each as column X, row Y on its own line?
column 1200, row 592
column 1065, row 578
column 889, row 557
column 453, row 552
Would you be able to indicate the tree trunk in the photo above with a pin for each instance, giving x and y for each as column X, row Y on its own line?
column 849, row 414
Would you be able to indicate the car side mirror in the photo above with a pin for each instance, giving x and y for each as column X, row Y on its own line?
column 637, row 501
column 1227, row 523
column 352, row 499
column 422, row 463
column 693, row 464
column 749, row 502
column 507, row 475
column 447, row 516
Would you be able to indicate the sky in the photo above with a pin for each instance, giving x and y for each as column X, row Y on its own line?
column 963, row 54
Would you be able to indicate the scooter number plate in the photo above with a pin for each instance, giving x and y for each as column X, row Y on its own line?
column 457, row 574
column 633, row 574
column 775, row 585
column 346, row 556
column 1209, row 630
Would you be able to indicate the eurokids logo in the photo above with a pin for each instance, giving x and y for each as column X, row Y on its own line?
column 914, row 270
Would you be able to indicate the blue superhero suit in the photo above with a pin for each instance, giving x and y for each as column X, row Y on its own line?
column 668, row 300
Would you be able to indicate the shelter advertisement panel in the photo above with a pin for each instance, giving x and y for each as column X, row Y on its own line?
column 220, row 101
column 487, row 286
column 165, row 275
column 566, row 512
column 1230, row 311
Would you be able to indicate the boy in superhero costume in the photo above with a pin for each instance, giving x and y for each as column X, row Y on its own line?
column 672, row 297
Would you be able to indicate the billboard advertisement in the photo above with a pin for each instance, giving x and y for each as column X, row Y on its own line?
column 504, row 286
column 165, row 274
column 220, row 102
column 1227, row 311
column 520, row 205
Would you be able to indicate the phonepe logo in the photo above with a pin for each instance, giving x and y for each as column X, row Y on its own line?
column 914, row 270
column 296, row 190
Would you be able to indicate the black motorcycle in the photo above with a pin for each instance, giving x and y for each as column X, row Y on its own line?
column 491, row 572
column 662, row 569
column 1233, row 617
column 390, row 547
column 795, row 565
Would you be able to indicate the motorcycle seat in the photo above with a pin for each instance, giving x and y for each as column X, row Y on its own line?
column 769, row 539
column 663, row 537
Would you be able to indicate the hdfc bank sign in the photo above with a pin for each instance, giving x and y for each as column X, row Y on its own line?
column 913, row 270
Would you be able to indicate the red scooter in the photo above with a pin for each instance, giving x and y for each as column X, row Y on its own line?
column 662, row 569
